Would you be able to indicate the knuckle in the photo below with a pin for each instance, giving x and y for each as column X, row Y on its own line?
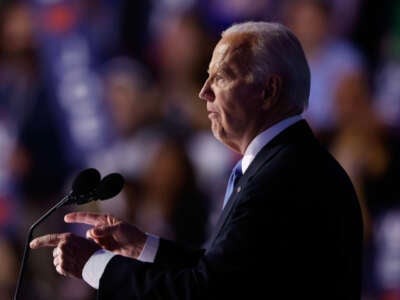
column 109, row 218
column 60, row 270
column 50, row 237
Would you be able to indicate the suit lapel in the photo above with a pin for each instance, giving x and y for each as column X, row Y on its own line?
column 297, row 131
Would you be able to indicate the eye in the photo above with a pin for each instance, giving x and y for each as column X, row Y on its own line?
column 219, row 78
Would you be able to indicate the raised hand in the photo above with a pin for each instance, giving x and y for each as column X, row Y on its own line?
column 111, row 233
column 70, row 254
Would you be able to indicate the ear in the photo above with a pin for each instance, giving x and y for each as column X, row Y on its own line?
column 272, row 91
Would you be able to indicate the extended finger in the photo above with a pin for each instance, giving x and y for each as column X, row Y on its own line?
column 89, row 218
column 49, row 240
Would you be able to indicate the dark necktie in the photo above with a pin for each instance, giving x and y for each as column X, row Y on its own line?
column 233, row 178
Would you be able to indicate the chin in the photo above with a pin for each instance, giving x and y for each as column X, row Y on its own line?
column 217, row 130
column 216, row 135
column 221, row 136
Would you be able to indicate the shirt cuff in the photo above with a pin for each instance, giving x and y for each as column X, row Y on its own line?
column 150, row 249
column 95, row 266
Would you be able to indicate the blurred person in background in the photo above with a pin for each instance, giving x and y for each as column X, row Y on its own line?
column 170, row 204
column 292, row 208
column 135, row 122
column 178, row 68
column 36, row 162
column 332, row 59
column 387, row 88
column 360, row 128
column 369, row 153
column 18, row 95
column 8, row 268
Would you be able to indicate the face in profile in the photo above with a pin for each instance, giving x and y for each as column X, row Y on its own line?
column 233, row 98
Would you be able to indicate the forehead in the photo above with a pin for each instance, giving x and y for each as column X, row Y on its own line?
column 234, row 51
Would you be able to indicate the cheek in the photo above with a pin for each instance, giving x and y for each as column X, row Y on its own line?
column 228, row 112
column 237, row 105
column 233, row 117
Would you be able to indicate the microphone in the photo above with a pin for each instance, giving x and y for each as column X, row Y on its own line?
column 107, row 188
column 86, row 187
column 85, row 181
column 110, row 186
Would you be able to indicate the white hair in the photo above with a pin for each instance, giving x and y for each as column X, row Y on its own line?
column 276, row 50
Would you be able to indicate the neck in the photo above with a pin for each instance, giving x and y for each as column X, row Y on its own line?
column 268, row 123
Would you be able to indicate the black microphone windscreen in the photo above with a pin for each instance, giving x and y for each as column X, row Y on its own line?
column 110, row 186
column 86, row 181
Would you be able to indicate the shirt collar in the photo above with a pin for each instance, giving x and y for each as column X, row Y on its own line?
column 264, row 138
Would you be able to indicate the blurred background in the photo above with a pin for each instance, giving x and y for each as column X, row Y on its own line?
column 113, row 85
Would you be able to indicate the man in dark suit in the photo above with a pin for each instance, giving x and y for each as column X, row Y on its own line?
column 291, row 224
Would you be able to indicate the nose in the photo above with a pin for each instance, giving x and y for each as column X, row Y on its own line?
column 206, row 93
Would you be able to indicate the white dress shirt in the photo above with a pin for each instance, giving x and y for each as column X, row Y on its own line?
column 95, row 266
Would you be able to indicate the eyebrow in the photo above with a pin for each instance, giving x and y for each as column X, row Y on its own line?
column 223, row 69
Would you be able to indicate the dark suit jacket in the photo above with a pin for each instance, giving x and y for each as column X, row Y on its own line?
column 291, row 230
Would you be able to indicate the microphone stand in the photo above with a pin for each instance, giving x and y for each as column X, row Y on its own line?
column 28, row 239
